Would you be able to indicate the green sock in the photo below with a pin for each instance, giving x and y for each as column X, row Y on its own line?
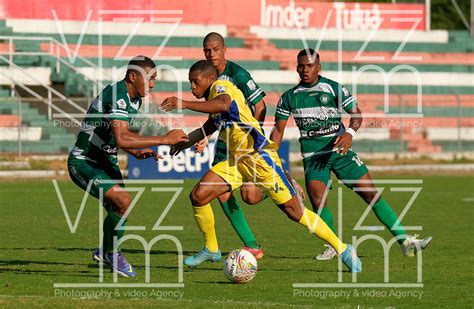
column 236, row 217
column 387, row 216
column 326, row 215
column 110, row 222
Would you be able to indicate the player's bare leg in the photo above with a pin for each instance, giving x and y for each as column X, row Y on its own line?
column 317, row 193
column 317, row 226
column 208, row 188
column 237, row 219
column 409, row 243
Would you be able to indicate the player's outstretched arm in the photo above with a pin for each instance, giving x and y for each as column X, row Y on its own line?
column 195, row 136
column 219, row 104
column 143, row 153
column 278, row 130
column 129, row 140
column 260, row 111
column 343, row 142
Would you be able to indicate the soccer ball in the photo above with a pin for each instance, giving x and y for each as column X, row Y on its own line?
column 240, row 266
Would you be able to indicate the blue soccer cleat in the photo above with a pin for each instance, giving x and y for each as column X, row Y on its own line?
column 119, row 264
column 96, row 256
column 202, row 256
column 351, row 260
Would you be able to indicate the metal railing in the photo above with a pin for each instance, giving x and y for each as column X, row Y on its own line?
column 54, row 51
column 48, row 101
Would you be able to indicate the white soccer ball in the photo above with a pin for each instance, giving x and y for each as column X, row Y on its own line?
column 240, row 266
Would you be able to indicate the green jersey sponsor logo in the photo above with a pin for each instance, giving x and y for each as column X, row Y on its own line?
column 317, row 111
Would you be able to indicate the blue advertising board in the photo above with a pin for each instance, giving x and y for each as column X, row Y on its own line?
column 187, row 164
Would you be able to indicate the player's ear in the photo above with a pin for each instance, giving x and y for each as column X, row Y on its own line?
column 132, row 76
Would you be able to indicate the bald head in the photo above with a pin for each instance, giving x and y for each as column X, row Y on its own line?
column 214, row 50
column 213, row 36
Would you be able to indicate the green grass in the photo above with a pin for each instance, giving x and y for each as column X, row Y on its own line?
column 38, row 250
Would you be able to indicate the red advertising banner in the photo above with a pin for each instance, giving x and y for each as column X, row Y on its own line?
column 274, row 13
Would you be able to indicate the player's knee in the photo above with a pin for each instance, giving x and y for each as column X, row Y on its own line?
column 121, row 204
column 251, row 199
column 197, row 197
column 317, row 202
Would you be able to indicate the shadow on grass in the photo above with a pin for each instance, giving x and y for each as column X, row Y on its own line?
column 16, row 271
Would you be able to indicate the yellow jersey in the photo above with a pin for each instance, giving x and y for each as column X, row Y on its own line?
column 237, row 127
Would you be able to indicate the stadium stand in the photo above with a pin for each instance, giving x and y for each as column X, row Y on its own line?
column 446, row 73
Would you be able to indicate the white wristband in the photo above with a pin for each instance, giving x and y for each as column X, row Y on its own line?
column 351, row 132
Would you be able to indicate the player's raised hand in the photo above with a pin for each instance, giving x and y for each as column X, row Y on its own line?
column 201, row 145
column 342, row 143
column 147, row 153
column 176, row 136
column 170, row 104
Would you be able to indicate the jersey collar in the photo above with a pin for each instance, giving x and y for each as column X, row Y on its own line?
column 310, row 85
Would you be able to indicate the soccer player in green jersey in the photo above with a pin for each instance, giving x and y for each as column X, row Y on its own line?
column 93, row 164
column 316, row 104
column 214, row 50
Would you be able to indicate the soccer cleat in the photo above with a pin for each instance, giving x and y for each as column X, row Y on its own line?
column 202, row 256
column 327, row 255
column 257, row 252
column 119, row 264
column 96, row 256
column 351, row 260
column 412, row 244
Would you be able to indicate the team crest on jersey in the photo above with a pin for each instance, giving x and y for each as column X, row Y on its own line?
column 324, row 98
column 251, row 85
column 121, row 103
column 96, row 181
column 220, row 89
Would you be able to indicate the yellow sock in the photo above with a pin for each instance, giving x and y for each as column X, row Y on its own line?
column 205, row 220
column 317, row 226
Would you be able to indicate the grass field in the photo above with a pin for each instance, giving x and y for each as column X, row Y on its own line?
column 38, row 250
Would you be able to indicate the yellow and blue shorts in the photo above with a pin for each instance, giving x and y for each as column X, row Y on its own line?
column 260, row 167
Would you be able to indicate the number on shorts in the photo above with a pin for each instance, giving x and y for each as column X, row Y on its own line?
column 357, row 160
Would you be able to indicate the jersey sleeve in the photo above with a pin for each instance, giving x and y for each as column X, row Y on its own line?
column 344, row 98
column 251, row 90
column 283, row 109
column 218, row 88
column 120, row 106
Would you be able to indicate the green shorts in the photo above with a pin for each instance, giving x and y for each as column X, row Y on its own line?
column 83, row 173
column 345, row 167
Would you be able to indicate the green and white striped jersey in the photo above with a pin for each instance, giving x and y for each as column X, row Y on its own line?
column 317, row 112
column 96, row 141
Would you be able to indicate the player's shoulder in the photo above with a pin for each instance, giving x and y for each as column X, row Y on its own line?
column 222, row 86
column 331, row 82
column 236, row 70
column 117, row 91
column 290, row 92
column 221, row 83
column 324, row 80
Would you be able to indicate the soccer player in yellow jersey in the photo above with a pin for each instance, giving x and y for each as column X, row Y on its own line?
column 252, row 158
